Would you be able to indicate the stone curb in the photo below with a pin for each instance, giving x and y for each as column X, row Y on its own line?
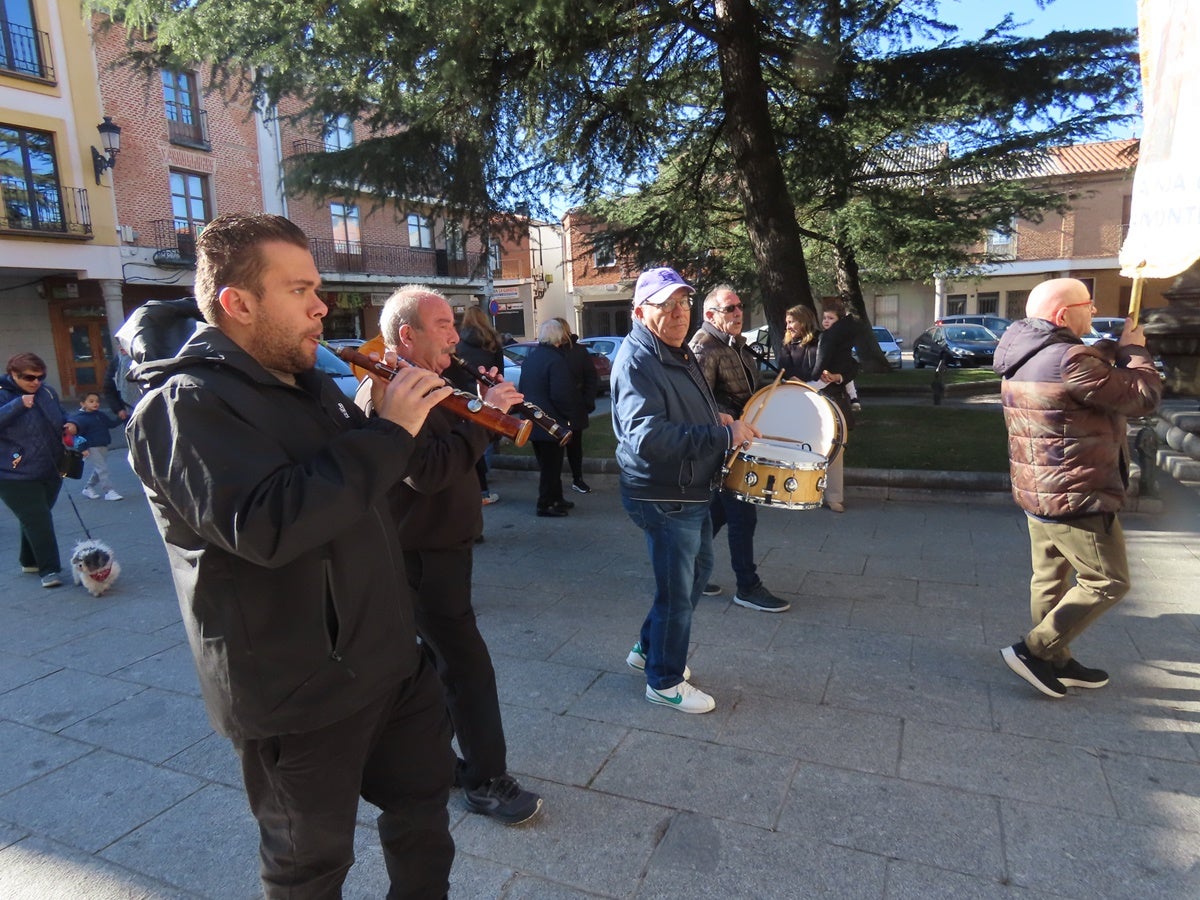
column 912, row 485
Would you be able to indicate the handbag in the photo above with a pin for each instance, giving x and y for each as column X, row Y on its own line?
column 71, row 464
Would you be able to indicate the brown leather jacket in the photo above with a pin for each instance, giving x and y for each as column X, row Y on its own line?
column 1065, row 406
column 729, row 367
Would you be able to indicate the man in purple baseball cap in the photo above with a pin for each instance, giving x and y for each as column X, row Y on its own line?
column 671, row 442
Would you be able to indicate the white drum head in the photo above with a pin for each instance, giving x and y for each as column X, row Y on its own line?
column 794, row 412
column 783, row 454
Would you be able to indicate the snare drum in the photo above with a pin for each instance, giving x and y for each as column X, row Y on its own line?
column 777, row 473
column 792, row 412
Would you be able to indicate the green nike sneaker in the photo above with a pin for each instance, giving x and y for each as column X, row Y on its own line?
column 682, row 697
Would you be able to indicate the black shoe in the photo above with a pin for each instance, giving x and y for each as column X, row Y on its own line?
column 1074, row 674
column 758, row 597
column 552, row 511
column 711, row 590
column 563, row 504
column 504, row 800
column 580, row 486
column 1038, row 672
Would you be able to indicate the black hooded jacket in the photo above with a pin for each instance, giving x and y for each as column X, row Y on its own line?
column 272, row 501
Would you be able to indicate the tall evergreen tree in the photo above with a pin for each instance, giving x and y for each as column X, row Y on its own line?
column 787, row 106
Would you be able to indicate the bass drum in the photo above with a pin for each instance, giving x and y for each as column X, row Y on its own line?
column 792, row 412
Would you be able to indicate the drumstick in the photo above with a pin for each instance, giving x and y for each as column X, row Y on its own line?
column 754, row 418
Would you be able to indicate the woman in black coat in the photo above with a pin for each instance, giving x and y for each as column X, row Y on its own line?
column 822, row 356
column 546, row 381
column 479, row 346
column 587, row 386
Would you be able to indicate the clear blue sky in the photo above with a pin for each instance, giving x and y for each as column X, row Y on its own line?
column 973, row 17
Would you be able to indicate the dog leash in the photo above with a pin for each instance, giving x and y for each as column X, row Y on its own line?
column 79, row 517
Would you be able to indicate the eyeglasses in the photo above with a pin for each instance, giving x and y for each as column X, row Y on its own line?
column 1081, row 303
column 733, row 307
column 25, row 376
column 668, row 306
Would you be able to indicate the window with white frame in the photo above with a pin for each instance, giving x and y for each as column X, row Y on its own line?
column 339, row 133
column 1002, row 243
column 605, row 255
column 494, row 258
column 346, row 236
column 420, row 232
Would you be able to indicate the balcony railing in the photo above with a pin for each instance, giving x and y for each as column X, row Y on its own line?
column 25, row 51
column 48, row 209
column 354, row 257
column 306, row 147
column 175, row 242
column 187, row 125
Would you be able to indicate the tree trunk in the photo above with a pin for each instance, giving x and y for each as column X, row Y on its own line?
column 770, row 215
column 850, row 291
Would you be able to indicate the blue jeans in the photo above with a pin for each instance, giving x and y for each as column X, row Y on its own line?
column 679, row 538
column 742, row 519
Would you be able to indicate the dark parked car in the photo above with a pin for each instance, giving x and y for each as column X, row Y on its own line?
column 995, row 324
column 966, row 346
column 516, row 353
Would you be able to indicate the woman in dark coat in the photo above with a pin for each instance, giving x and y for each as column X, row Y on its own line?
column 587, row 385
column 546, row 381
column 479, row 346
column 31, row 446
column 826, row 357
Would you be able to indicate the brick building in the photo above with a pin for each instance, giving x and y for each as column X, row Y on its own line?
column 76, row 259
column 58, row 236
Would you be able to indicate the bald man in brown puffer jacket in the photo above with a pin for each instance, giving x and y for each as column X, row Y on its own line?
column 1065, row 406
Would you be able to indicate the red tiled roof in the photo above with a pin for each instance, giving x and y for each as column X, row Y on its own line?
column 1085, row 159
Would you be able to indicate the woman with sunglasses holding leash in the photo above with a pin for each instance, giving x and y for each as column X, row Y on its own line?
column 31, row 426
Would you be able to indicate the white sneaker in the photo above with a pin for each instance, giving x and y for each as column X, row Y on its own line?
column 90, row 494
column 113, row 495
column 637, row 660
column 682, row 697
column 489, row 497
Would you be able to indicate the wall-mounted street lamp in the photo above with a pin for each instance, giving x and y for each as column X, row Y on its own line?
column 110, row 137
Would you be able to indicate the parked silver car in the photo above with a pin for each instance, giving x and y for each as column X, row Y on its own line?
column 889, row 344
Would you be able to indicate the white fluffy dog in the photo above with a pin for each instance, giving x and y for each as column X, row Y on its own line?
column 94, row 566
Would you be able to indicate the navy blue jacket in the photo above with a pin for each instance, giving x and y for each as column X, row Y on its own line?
column 30, row 439
column 546, row 381
column 93, row 426
column 670, row 443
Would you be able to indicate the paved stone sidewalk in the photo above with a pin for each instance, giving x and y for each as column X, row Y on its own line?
column 868, row 743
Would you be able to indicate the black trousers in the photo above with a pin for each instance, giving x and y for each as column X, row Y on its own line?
column 550, row 464
column 32, row 502
column 441, row 581
column 304, row 789
column 575, row 454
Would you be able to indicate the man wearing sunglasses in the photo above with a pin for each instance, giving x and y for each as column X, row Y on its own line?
column 1065, row 405
column 31, row 423
column 731, row 370
column 671, row 440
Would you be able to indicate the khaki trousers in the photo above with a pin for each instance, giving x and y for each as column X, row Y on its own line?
column 1079, row 570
